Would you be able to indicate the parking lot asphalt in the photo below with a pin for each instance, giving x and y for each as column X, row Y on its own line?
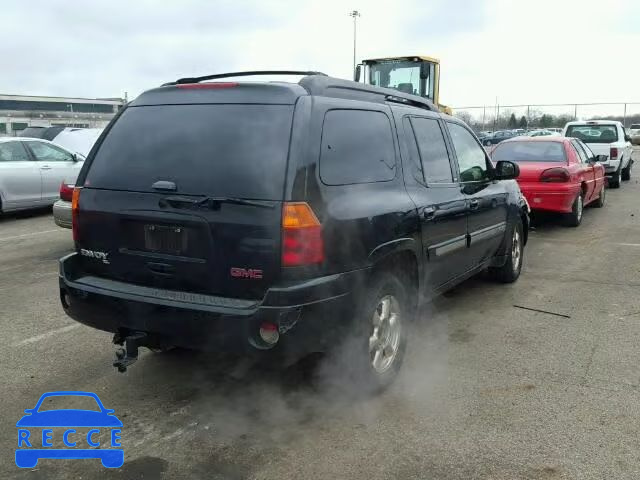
column 489, row 389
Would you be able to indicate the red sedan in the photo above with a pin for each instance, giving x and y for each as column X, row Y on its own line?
column 557, row 174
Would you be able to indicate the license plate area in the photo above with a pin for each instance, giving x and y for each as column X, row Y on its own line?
column 170, row 239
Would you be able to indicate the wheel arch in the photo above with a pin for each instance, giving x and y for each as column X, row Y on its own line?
column 583, row 188
column 400, row 259
column 524, row 218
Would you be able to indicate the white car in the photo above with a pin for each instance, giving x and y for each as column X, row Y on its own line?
column 606, row 137
column 31, row 171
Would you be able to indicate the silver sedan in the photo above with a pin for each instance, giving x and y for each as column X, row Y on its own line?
column 31, row 172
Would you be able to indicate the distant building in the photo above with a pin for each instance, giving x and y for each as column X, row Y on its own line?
column 18, row 112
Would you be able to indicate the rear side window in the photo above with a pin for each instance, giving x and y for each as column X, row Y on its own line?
column 226, row 150
column 357, row 147
column 433, row 151
column 584, row 158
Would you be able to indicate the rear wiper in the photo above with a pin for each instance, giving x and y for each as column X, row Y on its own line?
column 212, row 203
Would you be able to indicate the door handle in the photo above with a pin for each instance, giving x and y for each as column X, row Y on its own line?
column 428, row 213
column 474, row 204
column 45, row 167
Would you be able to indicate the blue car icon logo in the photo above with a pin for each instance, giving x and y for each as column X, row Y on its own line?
column 74, row 428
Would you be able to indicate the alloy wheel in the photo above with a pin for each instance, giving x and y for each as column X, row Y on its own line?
column 516, row 250
column 384, row 342
column 579, row 207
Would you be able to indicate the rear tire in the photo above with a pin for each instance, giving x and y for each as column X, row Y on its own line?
column 574, row 218
column 614, row 182
column 599, row 203
column 626, row 172
column 370, row 356
column 510, row 271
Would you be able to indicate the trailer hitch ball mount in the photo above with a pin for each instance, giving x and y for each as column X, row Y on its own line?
column 127, row 353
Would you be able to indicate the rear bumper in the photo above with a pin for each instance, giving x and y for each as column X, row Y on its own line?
column 307, row 314
column 62, row 213
column 551, row 197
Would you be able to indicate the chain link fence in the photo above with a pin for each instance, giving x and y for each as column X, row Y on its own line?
column 498, row 117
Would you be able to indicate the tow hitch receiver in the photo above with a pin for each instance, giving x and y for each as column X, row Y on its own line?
column 128, row 351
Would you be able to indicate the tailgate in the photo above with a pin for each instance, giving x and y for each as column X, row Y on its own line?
column 233, row 250
column 600, row 148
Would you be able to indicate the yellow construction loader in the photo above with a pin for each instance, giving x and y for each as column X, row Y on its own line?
column 417, row 75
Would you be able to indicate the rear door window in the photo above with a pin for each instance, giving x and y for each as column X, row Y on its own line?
column 357, row 147
column 581, row 153
column 226, row 150
column 432, row 150
column 586, row 149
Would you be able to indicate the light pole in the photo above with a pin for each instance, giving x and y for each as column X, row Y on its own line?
column 355, row 14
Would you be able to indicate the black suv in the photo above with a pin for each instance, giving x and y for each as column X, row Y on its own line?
column 283, row 217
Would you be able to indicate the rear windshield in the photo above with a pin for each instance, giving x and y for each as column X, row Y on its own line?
column 226, row 150
column 529, row 152
column 594, row 133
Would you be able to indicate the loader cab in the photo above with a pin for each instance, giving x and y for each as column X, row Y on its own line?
column 413, row 75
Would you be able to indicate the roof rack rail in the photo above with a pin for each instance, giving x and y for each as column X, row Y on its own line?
column 242, row 74
column 336, row 87
column 407, row 101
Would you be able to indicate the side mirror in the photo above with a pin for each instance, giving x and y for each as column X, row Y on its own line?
column 356, row 74
column 599, row 158
column 74, row 157
column 506, row 170
column 627, row 138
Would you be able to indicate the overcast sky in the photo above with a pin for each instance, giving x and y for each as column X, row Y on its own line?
column 535, row 51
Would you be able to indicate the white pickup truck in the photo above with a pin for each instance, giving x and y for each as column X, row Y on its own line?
column 606, row 137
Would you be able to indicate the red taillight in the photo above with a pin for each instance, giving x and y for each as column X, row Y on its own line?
column 555, row 175
column 66, row 192
column 75, row 210
column 301, row 236
column 613, row 153
column 196, row 86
